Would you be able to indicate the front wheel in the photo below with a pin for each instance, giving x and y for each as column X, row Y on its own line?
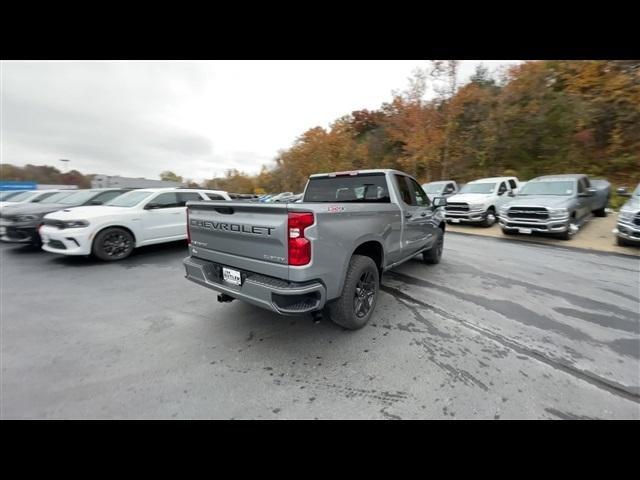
column 623, row 242
column 356, row 304
column 572, row 229
column 490, row 218
column 434, row 254
column 113, row 244
column 601, row 212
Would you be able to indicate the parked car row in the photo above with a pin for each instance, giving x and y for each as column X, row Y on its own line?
column 552, row 204
column 108, row 223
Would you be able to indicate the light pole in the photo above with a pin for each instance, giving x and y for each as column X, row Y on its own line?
column 64, row 162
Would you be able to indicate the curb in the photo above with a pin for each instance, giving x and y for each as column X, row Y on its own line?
column 546, row 244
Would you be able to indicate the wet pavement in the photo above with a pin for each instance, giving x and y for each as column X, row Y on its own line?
column 497, row 330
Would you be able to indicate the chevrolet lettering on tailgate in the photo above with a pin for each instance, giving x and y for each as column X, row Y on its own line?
column 231, row 227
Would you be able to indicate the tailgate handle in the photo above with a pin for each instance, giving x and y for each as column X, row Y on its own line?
column 224, row 210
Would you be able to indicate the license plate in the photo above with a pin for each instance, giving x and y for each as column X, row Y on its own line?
column 455, row 220
column 231, row 276
column 3, row 230
column 524, row 230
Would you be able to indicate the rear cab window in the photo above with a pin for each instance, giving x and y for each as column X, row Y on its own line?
column 361, row 188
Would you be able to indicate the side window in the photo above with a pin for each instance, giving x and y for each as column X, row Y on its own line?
column 42, row 197
column 104, row 197
column 450, row 188
column 512, row 184
column 184, row 197
column 214, row 196
column 420, row 198
column 167, row 200
column 502, row 189
column 403, row 189
column 587, row 183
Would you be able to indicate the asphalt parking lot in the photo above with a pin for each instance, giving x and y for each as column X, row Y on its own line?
column 498, row 330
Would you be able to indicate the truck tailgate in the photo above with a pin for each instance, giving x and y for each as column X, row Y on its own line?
column 246, row 235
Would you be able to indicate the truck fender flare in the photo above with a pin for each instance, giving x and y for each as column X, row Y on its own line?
column 357, row 244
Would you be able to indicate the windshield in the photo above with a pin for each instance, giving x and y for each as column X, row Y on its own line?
column 77, row 198
column 4, row 196
column 21, row 197
column 478, row 188
column 56, row 197
column 433, row 187
column 564, row 188
column 128, row 199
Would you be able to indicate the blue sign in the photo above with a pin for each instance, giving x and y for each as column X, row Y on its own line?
column 6, row 185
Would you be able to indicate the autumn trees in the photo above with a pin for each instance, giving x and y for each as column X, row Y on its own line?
column 541, row 117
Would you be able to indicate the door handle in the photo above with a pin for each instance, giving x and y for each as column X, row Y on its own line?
column 407, row 215
column 423, row 214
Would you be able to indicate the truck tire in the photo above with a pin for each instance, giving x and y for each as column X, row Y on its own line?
column 568, row 235
column 358, row 300
column 490, row 217
column 113, row 244
column 434, row 254
column 622, row 242
column 601, row 212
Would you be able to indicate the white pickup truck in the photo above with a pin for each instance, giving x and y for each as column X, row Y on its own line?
column 479, row 201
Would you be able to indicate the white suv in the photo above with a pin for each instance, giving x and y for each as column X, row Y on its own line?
column 478, row 201
column 111, row 231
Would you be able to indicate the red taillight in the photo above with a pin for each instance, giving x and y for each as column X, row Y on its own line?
column 188, row 228
column 299, row 246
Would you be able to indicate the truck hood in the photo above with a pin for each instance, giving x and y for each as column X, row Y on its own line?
column 469, row 198
column 632, row 204
column 88, row 212
column 552, row 201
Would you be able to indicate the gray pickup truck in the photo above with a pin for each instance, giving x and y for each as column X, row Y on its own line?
column 628, row 226
column 557, row 204
column 329, row 251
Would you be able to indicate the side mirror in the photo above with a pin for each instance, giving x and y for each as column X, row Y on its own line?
column 439, row 202
column 152, row 206
column 512, row 193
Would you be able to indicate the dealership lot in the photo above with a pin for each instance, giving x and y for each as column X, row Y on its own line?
column 595, row 235
column 499, row 330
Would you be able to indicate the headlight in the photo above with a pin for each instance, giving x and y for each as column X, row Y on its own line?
column 503, row 210
column 26, row 218
column 76, row 224
column 476, row 207
column 557, row 212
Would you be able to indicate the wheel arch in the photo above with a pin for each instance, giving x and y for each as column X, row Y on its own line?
column 105, row 227
column 372, row 249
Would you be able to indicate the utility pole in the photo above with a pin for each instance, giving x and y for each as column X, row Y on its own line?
column 64, row 162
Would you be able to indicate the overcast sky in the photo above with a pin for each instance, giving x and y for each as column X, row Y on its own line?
column 194, row 118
